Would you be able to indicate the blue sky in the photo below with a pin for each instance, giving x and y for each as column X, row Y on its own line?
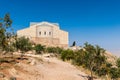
column 94, row 21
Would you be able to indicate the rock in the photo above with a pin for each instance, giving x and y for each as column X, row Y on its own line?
column 32, row 62
column 13, row 78
column 29, row 52
column 52, row 55
column 46, row 55
column 34, row 52
column 2, row 75
column 5, row 78
column 16, row 53
column 13, row 71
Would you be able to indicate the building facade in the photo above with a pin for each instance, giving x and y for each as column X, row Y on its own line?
column 45, row 33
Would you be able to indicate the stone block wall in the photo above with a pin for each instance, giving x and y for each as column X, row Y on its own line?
column 54, row 42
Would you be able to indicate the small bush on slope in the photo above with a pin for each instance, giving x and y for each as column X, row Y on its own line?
column 39, row 48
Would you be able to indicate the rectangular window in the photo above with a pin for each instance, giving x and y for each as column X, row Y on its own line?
column 49, row 33
column 44, row 33
column 39, row 33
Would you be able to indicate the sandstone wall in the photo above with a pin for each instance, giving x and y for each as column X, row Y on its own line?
column 55, row 42
column 41, row 30
column 46, row 41
column 28, row 32
column 63, row 36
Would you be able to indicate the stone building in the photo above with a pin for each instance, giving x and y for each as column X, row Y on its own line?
column 45, row 33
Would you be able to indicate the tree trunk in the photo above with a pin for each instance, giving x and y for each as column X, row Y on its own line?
column 91, row 77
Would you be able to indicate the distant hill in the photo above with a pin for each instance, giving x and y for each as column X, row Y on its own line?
column 110, row 57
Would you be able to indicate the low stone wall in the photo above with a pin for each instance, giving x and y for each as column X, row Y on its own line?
column 55, row 42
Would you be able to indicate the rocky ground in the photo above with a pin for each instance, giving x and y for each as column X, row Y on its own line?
column 40, row 68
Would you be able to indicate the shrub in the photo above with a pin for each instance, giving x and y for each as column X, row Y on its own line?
column 79, row 57
column 54, row 50
column 114, row 73
column 67, row 55
column 118, row 62
column 23, row 44
column 51, row 49
column 39, row 48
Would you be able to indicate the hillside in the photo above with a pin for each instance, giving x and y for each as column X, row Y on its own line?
column 41, row 68
column 110, row 57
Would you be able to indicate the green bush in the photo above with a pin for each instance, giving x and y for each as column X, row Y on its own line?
column 118, row 62
column 54, row 50
column 59, row 50
column 39, row 48
column 67, row 55
column 23, row 44
column 114, row 73
column 79, row 57
column 51, row 49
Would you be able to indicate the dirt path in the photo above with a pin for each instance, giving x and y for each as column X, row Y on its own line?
column 58, row 70
column 52, row 69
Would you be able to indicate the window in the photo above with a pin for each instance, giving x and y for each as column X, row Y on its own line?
column 44, row 33
column 49, row 33
column 39, row 33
